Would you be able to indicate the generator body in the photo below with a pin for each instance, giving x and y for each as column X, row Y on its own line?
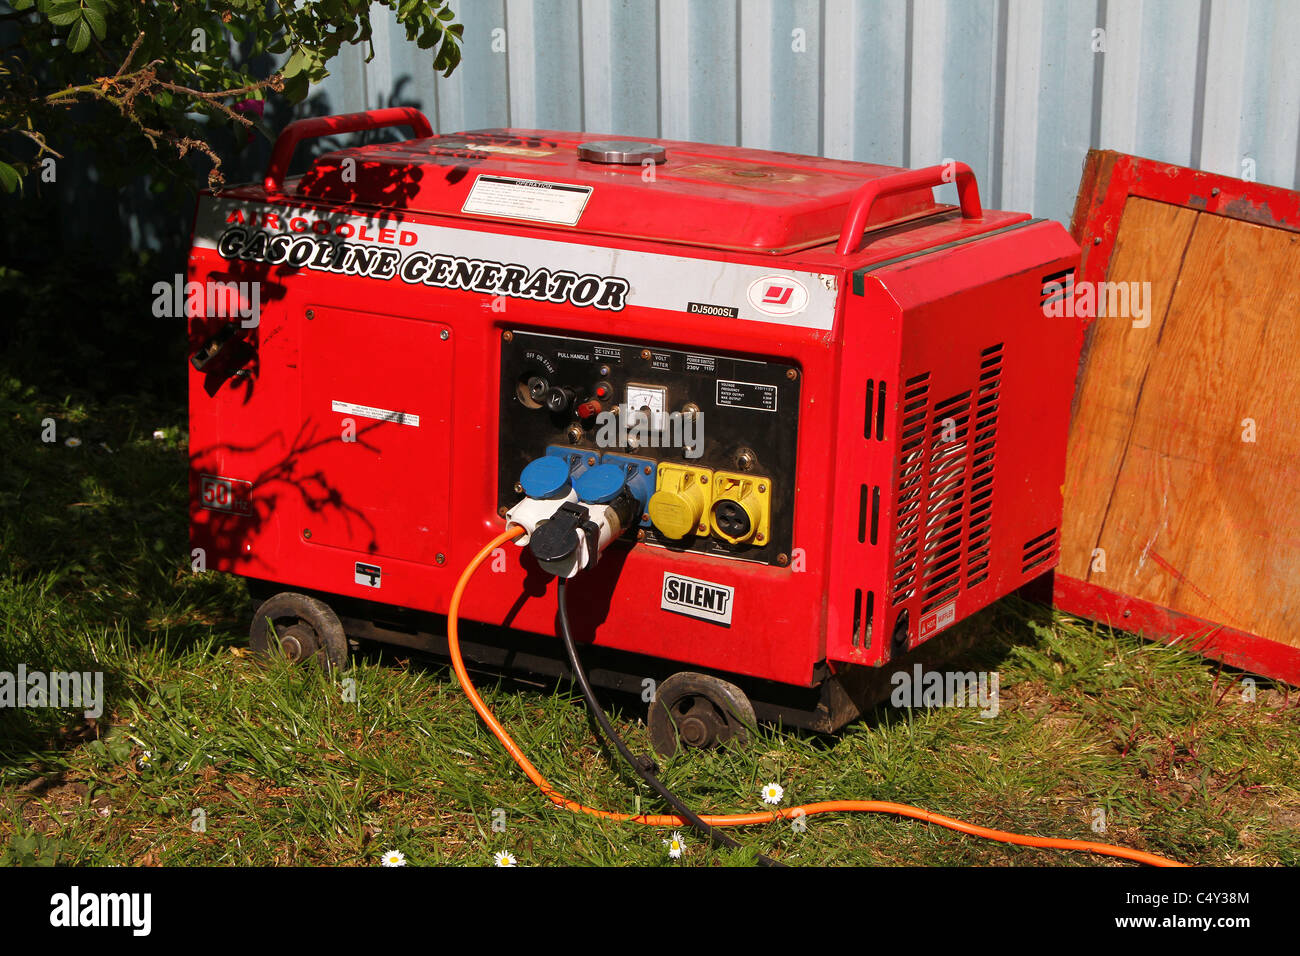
column 840, row 405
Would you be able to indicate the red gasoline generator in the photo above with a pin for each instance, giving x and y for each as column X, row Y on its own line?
column 788, row 417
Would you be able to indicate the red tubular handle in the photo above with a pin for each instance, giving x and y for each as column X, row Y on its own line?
column 302, row 129
column 860, row 207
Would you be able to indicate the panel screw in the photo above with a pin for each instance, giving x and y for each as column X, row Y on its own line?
column 1127, row 613
column 518, row 487
column 703, row 528
column 647, row 469
column 783, row 559
column 306, row 532
column 791, row 374
column 1096, row 240
column 746, row 460
column 590, row 462
column 704, row 479
column 310, row 315
column 507, row 336
column 502, row 511
column 439, row 557
column 760, row 538
column 574, row 434
column 762, row 487
column 1214, row 191
column 645, row 354
column 645, row 517
column 444, row 335
column 640, row 535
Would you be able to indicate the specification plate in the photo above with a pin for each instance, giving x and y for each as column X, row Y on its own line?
column 746, row 395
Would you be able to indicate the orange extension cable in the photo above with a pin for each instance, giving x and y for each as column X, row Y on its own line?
column 736, row 819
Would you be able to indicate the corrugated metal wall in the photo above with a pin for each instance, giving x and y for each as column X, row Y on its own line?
column 1019, row 89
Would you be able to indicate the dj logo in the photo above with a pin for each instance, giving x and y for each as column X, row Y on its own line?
column 778, row 295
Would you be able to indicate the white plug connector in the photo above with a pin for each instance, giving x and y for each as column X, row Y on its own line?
column 530, row 512
column 581, row 557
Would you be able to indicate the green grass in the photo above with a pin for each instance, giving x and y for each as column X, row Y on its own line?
column 94, row 575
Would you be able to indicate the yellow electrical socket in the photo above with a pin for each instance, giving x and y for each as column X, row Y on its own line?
column 742, row 508
column 679, row 507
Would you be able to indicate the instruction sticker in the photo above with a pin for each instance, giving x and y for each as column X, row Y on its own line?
column 761, row 398
column 531, row 199
column 379, row 414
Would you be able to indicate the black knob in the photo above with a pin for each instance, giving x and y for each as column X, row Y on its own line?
column 559, row 399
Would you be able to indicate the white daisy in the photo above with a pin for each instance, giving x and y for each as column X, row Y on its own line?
column 772, row 793
column 146, row 760
column 676, row 845
column 504, row 858
column 72, row 442
column 393, row 858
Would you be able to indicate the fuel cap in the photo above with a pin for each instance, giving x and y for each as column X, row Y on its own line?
column 621, row 152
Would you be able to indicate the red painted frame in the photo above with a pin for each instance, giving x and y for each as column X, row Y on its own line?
column 1109, row 179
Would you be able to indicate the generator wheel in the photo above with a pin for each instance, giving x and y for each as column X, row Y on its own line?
column 699, row 711
column 300, row 628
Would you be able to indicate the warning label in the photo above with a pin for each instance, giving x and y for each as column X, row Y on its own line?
column 530, row 199
column 761, row 398
column 938, row 619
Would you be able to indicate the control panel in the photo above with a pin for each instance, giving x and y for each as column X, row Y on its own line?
column 705, row 441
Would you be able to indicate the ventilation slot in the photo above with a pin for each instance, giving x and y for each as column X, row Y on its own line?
column 862, row 616
column 983, row 443
column 1056, row 287
column 874, row 418
column 868, row 513
column 869, row 418
column 1039, row 551
column 910, row 486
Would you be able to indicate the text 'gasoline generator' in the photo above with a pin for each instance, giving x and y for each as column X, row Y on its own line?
column 786, row 419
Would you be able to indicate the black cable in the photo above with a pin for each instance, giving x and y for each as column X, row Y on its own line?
column 716, row 836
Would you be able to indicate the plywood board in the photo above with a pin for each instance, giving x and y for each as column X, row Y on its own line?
column 1182, row 494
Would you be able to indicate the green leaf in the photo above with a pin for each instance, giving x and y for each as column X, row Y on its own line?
column 63, row 17
column 79, row 36
column 300, row 61
column 9, row 178
column 96, row 21
column 20, row 5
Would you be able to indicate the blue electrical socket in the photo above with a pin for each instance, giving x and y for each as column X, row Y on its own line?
column 641, row 484
column 576, row 458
